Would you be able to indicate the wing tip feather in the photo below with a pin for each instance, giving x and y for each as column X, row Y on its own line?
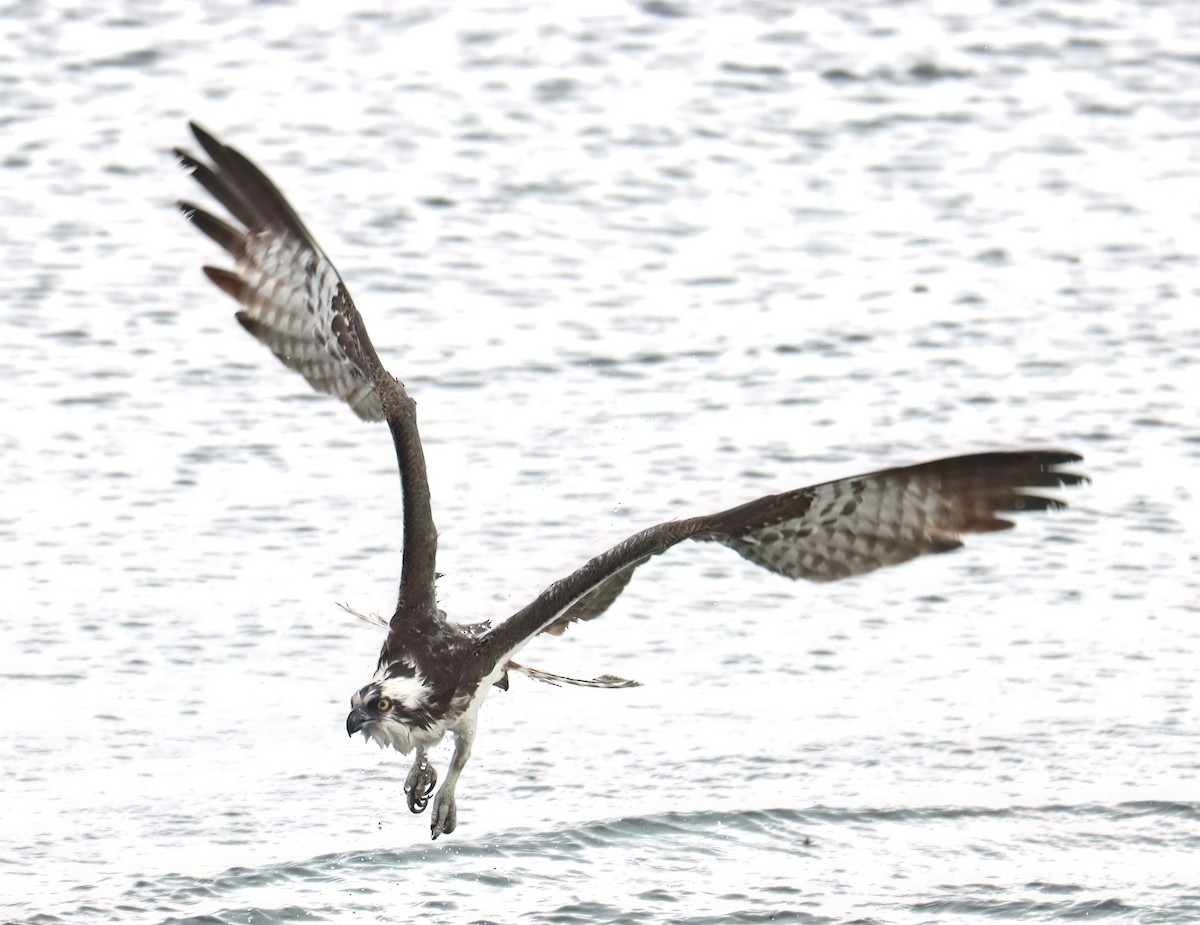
column 228, row 282
column 206, row 139
column 185, row 160
column 221, row 232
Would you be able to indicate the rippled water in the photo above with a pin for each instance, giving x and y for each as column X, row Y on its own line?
column 633, row 262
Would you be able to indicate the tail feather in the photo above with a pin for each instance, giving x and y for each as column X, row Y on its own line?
column 608, row 681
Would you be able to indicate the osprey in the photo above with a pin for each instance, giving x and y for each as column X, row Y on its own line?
column 433, row 674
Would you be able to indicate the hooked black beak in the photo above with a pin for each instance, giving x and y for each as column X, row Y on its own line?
column 356, row 720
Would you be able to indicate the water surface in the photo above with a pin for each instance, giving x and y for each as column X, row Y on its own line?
column 634, row 262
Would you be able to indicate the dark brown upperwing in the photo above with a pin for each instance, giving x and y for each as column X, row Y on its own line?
column 823, row 532
column 553, row 604
column 293, row 300
column 597, row 600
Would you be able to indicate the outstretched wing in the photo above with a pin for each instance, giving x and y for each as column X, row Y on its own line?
column 824, row 532
column 293, row 300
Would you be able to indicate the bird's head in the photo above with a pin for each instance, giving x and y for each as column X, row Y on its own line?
column 393, row 711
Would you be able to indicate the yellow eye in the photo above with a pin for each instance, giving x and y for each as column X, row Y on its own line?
column 383, row 705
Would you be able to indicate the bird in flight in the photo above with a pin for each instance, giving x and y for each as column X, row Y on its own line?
column 433, row 674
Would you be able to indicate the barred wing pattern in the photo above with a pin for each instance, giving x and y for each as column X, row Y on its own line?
column 853, row 526
column 292, row 298
column 824, row 532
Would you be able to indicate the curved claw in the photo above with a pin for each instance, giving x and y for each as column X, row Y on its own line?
column 419, row 787
column 445, row 815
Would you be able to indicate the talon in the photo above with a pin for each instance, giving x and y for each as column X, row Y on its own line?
column 419, row 787
column 445, row 817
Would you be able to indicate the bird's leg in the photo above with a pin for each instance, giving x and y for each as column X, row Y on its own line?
column 445, row 813
column 419, row 783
